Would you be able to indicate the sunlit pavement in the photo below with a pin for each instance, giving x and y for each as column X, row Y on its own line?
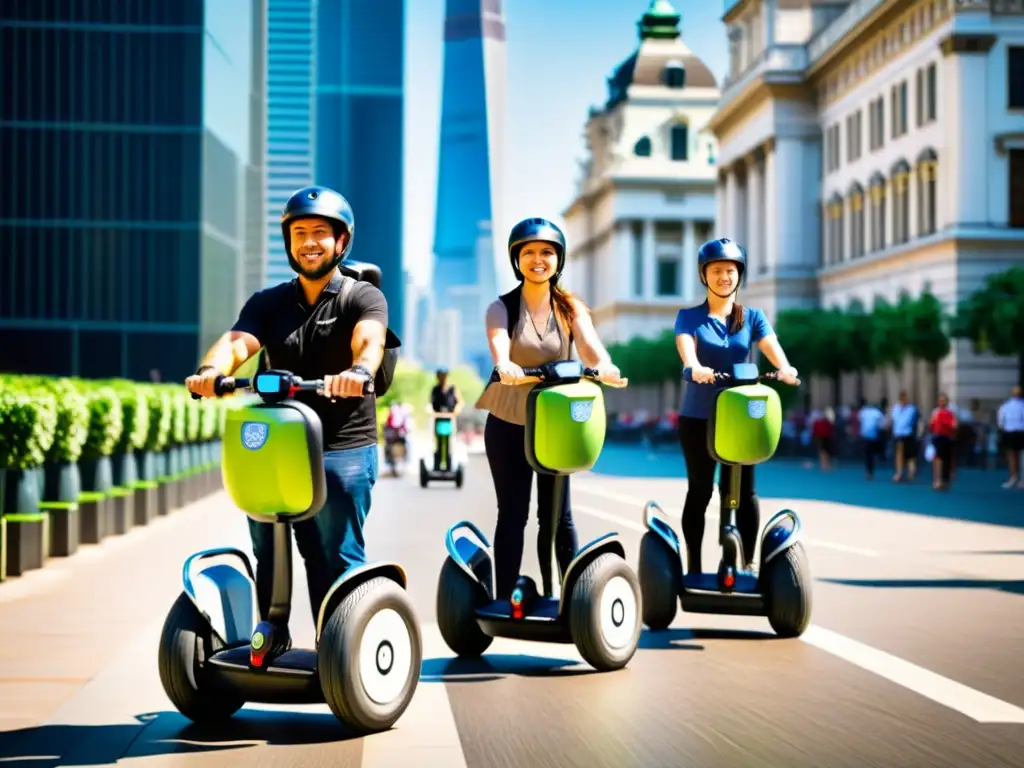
column 913, row 658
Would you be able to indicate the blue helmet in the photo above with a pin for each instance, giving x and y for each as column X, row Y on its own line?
column 722, row 249
column 326, row 204
column 532, row 230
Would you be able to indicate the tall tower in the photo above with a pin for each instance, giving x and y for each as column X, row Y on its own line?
column 360, row 103
column 291, row 134
column 470, row 172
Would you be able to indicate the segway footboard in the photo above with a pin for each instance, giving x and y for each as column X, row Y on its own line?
column 223, row 593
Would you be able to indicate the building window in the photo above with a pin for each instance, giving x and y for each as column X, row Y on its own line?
column 675, row 75
column 668, row 277
column 927, row 203
column 853, row 136
column 900, row 203
column 878, row 204
column 930, row 99
column 1017, row 188
column 642, row 148
column 680, row 142
column 876, row 124
column 834, row 231
column 1015, row 77
column 832, row 148
column 856, row 198
column 636, row 254
column 899, row 109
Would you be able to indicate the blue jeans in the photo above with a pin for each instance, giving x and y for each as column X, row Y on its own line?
column 332, row 542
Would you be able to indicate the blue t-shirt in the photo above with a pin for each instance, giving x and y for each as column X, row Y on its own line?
column 717, row 349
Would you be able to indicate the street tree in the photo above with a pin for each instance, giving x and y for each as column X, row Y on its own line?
column 992, row 317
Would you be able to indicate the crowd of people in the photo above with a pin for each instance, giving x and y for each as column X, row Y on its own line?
column 948, row 437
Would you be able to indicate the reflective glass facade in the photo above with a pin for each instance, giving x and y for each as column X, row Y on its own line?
column 359, row 128
column 291, row 99
column 463, row 274
column 122, row 217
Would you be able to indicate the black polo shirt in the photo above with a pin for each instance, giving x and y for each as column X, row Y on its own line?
column 316, row 341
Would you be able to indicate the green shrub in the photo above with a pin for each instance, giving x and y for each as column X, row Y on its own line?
column 134, row 415
column 177, row 398
column 209, row 412
column 28, row 420
column 106, row 421
column 72, row 423
column 159, row 406
column 193, row 417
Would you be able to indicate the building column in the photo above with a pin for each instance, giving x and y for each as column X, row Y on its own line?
column 914, row 204
column 795, row 188
column 732, row 205
column 720, row 206
column 753, row 237
column 622, row 243
column 770, row 250
column 965, row 161
column 648, row 258
column 768, row 23
column 688, row 261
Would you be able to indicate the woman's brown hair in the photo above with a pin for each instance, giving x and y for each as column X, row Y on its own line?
column 565, row 307
column 736, row 318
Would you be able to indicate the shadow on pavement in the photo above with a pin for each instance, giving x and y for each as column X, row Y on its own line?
column 496, row 666
column 164, row 733
column 1013, row 587
column 676, row 638
column 974, row 495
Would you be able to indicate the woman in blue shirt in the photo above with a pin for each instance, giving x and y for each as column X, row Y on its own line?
column 714, row 336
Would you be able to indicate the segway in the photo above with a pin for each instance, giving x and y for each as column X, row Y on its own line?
column 445, row 465
column 744, row 429
column 366, row 663
column 599, row 609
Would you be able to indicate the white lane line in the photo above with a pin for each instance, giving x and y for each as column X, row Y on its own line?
column 978, row 706
column 593, row 490
column 426, row 733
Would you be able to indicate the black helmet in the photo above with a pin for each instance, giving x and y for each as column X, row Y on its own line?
column 722, row 249
column 442, row 371
column 532, row 230
column 326, row 204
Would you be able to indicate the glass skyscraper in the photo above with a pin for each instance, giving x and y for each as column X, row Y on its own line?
column 291, row 97
column 359, row 128
column 469, row 179
column 125, row 141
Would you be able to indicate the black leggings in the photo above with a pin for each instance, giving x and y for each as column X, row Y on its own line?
column 700, row 472
column 513, row 480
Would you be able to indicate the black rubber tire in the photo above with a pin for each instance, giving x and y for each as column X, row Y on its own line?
column 660, row 577
column 338, row 656
column 186, row 642
column 585, row 613
column 459, row 477
column 457, row 599
column 786, row 582
column 424, row 479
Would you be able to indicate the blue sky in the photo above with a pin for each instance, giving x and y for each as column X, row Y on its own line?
column 559, row 54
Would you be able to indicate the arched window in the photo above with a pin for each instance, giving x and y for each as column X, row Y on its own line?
column 642, row 148
column 927, row 189
column 834, row 230
column 679, row 141
column 877, row 192
column 855, row 198
column 900, row 174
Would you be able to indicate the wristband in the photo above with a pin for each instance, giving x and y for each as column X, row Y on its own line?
column 203, row 368
column 362, row 369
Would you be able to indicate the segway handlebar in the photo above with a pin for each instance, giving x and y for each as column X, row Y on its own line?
column 560, row 370
column 273, row 386
column 743, row 373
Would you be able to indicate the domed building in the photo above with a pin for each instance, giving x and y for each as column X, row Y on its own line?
column 646, row 199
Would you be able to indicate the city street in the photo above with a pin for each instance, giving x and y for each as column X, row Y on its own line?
column 913, row 657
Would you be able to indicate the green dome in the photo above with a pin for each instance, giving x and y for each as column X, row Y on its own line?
column 661, row 22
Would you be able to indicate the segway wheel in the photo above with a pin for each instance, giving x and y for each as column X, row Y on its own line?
column 186, row 642
column 424, row 479
column 660, row 576
column 457, row 599
column 458, row 477
column 369, row 656
column 604, row 613
column 786, row 583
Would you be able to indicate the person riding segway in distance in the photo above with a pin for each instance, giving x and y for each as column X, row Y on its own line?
column 714, row 336
column 306, row 331
column 444, row 399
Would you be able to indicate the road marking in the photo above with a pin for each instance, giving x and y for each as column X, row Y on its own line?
column 595, row 490
column 976, row 705
column 426, row 733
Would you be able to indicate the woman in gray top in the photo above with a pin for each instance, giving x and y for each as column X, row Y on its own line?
column 545, row 320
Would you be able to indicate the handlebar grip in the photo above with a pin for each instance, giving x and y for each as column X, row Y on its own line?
column 224, row 385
